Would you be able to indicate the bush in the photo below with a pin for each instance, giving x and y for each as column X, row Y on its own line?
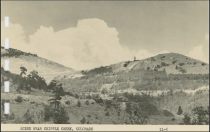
column 68, row 102
column 19, row 99
column 164, row 64
column 59, row 116
column 47, row 113
column 78, row 104
column 87, row 102
column 76, row 96
column 173, row 119
column 107, row 114
column 187, row 119
column 181, row 64
column 201, row 116
column 83, row 120
column 203, row 64
column 153, row 59
column 173, row 62
column 27, row 118
column 180, row 111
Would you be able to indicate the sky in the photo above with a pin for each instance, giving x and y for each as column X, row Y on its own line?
column 87, row 34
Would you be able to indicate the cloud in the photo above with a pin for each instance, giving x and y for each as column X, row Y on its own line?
column 89, row 44
column 201, row 51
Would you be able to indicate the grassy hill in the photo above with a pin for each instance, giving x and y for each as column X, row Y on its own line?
column 46, row 68
column 161, row 72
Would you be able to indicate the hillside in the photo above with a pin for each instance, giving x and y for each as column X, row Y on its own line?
column 172, row 63
column 46, row 68
column 161, row 72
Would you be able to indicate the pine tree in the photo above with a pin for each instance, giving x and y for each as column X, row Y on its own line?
column 23, row 71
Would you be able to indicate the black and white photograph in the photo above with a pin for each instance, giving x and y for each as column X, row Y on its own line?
column 105, row 62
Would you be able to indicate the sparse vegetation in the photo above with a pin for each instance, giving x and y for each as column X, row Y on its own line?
column 164, row 64
column 15, row 53
column 118, row 101
column 19, row 99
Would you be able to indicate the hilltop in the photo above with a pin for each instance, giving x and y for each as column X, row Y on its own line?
column 46, row 68
column 172, row 63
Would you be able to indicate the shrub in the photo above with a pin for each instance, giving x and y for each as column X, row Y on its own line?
column 181, row 64
column 47, row 113
column 173, row 62
column 19, row 99
column 203, row 64
column 173, row 119
column 83, row 120
column 164, row 64
column 68, row 102
column 187, row 119
column 107, row 114
column 153, row 59
column 180, row 111
column 27, row 117
column 78, row 104
column 76, row 96
column 202, row 115
column 61, row 116
column 87, row 102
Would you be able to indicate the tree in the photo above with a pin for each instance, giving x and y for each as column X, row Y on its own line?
column 180, row 111
column 59, row 114
column 23, row 71
column 58, row 92
column 52, row 85
column 201, row 115
column 136, row 114
column 36, row 81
